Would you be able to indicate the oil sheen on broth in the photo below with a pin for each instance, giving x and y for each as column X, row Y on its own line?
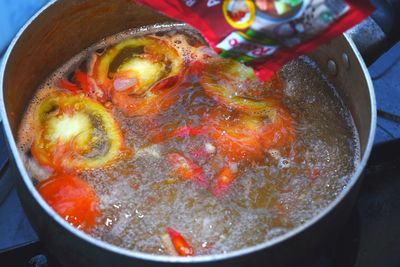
column 142, row 194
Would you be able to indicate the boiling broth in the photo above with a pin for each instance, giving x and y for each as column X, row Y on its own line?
column 140, row 196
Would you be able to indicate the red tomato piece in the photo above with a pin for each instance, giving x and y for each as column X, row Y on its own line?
column 236, row 138
column 72, row 198
column 279, row 132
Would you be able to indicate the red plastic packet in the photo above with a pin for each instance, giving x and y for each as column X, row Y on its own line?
column 265, row 34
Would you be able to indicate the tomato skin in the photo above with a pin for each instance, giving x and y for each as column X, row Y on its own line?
column 263, row 123
column 71, row 198
column 237, row 138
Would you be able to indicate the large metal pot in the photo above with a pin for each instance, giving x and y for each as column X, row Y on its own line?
column 65, row 27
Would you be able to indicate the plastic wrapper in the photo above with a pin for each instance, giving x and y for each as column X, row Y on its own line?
column 265, row 34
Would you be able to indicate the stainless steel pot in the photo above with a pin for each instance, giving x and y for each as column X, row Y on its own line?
column 65, row 27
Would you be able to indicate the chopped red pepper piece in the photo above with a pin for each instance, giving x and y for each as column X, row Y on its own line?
column 179, row 242
column 187, row 169
column 223, row 181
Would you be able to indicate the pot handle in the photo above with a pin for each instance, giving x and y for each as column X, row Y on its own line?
column 377, row 33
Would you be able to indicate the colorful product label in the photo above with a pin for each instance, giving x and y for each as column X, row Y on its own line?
column 265, row 33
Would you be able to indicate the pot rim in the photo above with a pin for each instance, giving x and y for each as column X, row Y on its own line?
column 176, row 259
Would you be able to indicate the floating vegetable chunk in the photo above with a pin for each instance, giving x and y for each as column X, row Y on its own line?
column 179, row 242
column 261, row 123
column 236, row 137
column 72, row 198
column 235, row 85
column 242, row 136
column 75, row 133
column 139, row 75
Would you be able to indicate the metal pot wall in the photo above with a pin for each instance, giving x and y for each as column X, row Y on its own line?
column 65, row 27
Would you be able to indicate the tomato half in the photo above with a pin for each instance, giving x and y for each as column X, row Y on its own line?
column 72, row 198
column 139, row 74
column 237, row 137
column 236, row 86
column 74, row 132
